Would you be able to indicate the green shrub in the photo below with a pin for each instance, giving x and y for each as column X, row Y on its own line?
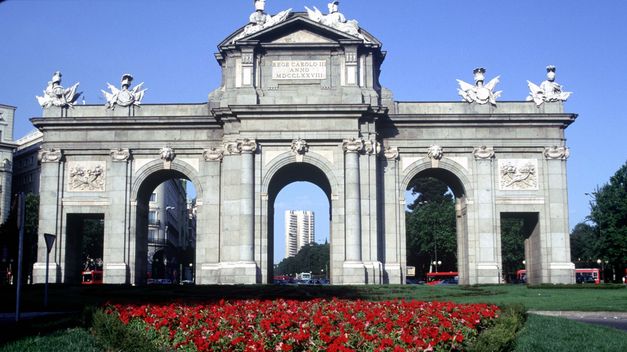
column 112, row 333
column 501, row 336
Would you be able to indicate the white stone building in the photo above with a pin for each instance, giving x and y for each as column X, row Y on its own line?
column 299, row 230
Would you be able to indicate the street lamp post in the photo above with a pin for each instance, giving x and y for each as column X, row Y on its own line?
column 436, row 263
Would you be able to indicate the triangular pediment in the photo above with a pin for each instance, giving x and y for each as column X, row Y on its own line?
column 302, row 36
column 296, row 29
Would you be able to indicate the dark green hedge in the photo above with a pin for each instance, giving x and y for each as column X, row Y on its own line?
column 501, row 336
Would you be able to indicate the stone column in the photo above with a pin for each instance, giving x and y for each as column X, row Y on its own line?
column 247, row 205
column 354, row 270
column 394, row 257
column 116, row 238
column 50, row 194
column 560, row 268
column 208, row 219
column 353, row 200
column 481, row 261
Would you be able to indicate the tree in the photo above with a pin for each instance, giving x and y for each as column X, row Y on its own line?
column 512, row 245
column 430, row 226
column 9, row 238
column 312, row 257
column 584, row 249
column 609, row 213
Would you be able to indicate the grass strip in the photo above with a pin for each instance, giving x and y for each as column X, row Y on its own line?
column 552, row 334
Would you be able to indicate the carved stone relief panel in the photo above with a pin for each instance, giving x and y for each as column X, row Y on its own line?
column 518, row 174
column 86, row 176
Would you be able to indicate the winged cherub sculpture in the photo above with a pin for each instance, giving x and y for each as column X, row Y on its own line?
column 56, row 95
column 124, row 96
column 548, row 90
column 260, row 20
column 479, row 93
column 335, row 19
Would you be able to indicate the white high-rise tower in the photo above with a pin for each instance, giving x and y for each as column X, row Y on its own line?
column 299, row 230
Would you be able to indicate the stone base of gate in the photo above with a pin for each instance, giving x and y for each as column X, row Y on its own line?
column 115, row 273
column 393, row 274
column 227, row 273
column 561, row 273
column 354, row 273
column 39, row 273
column 374, row 273
column 488, row 273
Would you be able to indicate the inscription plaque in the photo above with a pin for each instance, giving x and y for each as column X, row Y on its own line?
column 299, row 69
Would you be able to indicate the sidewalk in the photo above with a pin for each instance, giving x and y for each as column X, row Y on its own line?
column 616, row 320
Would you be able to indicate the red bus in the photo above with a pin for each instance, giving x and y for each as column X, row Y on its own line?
column 91, row 277
column 582, row 276
column 521, row 276
column 443, row 278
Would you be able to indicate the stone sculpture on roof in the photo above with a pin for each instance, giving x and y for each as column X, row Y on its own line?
column 335, row 19
column 56, row 95
column 124, row 96
column 260, row 20
column 479, row 93
column 548, row 91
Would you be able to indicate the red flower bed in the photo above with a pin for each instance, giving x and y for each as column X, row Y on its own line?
column 288, row 325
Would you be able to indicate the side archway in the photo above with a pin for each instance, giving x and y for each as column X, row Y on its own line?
column 454, row 176
column 146, row 180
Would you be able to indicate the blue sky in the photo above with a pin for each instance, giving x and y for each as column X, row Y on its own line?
column 169, row 45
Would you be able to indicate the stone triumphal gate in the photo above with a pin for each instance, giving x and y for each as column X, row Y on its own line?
column 300, row 100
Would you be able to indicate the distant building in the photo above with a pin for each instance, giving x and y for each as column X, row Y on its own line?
column 7, row 114
column 167, row 229
column 299, row 230
column 26, row 168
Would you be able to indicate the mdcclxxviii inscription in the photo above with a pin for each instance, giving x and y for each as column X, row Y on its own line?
column 299, row 69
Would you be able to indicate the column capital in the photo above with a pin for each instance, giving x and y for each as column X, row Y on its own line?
column 213, row 154
column 483, row 152
column 120, row 154
column 372, row 147
column 391, row 153
column 556, row 153
column 353, row 145
column 50, row 155
column 247, row 145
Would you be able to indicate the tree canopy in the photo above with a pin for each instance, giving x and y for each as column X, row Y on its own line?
column 609, row 213
column 584, row 245
column 430, row 226
column 312, row 258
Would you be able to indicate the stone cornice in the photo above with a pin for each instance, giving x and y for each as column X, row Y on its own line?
column 128, row 123
column 481, row 120
column 298, row 111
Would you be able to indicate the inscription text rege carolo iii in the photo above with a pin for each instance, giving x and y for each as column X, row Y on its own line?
column 301, row 69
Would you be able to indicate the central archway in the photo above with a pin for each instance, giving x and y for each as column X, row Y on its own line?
column 283, row 176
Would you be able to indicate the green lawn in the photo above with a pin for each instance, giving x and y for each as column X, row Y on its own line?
column 552, row 334
column 578, row 299
column 70, row 340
